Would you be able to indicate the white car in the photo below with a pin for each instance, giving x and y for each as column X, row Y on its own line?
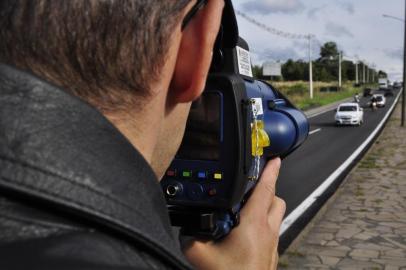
column 349, row 114
column 383, row 83
column 380, row 100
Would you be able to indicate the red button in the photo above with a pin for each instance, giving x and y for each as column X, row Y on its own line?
column 171, row 173
column 212, row 192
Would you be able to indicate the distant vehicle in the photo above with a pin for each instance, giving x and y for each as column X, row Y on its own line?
column 397, row 85
column 390, row 85
column 380, row 100
column 388, row 93
column 349, row 114
column 383, row 83
column 367, row 92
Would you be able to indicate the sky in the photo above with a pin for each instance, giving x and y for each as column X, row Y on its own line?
column 357, row 26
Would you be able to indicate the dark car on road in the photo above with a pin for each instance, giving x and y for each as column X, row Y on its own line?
column 367, row 92
column 388, row 93
column 397, row 85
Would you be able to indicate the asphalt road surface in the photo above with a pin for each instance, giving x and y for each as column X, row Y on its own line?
column 326, row 148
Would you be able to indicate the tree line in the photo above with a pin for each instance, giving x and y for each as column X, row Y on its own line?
column 325, row 68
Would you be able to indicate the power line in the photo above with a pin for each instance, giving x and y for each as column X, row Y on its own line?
column 309, row 37
column 284, row 34
column 272, row 30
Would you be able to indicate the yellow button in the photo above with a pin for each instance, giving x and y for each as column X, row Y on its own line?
column 218, row 176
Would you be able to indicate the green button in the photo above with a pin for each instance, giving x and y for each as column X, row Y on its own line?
column 187, row 174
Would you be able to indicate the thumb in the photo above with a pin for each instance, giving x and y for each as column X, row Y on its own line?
column 263, row 195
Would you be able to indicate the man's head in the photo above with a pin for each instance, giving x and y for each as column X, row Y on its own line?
column 104, row 51
column 130, row 59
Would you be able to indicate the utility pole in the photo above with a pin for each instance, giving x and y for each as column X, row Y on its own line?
column 339, row 69
column 368, row 77
column 373, row 72
column 356, row 73
column 310, row 67
column 402, row 121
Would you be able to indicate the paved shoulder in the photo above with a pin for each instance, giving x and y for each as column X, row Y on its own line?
column 364, row 225
column 320, row 110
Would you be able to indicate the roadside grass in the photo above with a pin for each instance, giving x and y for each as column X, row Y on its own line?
column 283, row 264
column 369, row 162
column 378, row 201
column 295, row 253
column 298, row 93
column 359, row 192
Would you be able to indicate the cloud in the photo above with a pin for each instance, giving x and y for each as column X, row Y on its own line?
column 347, row 6
column 337, row 30
column 394, row 53
column 274, row 6
column 279, row 54
column 302, row 48
column 313, row 12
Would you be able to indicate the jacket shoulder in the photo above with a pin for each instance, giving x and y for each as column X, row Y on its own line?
column 66, row 157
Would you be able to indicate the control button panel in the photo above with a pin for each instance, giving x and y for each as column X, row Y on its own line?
column 196, row 175
column 193, row 184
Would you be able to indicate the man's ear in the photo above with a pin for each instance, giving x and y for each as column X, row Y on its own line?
column 195, row 54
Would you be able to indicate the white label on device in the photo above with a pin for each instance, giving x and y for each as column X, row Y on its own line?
column 257, row 106
column 244, row 62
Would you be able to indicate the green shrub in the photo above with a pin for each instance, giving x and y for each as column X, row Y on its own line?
column 297, row 89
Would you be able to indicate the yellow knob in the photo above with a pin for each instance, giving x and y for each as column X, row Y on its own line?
column 259, row 132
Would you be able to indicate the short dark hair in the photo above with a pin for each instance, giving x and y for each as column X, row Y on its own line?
column 90, row 47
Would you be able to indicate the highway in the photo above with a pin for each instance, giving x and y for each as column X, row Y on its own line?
column 326, row 149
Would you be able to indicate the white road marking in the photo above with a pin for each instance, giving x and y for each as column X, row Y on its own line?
column 314, row 131
column 308, row 202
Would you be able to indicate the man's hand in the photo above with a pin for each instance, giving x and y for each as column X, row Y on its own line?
column 253, row 244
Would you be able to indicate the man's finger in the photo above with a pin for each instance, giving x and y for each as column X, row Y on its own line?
column 264, row 193
column 275, row 218
column 276, row 214
column 275, row 259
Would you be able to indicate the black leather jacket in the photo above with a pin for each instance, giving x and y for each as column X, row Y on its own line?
column 74, row 193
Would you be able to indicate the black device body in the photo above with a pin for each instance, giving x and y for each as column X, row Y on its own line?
column 233, row 129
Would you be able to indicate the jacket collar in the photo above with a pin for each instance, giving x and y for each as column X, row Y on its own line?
column 56, row 148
